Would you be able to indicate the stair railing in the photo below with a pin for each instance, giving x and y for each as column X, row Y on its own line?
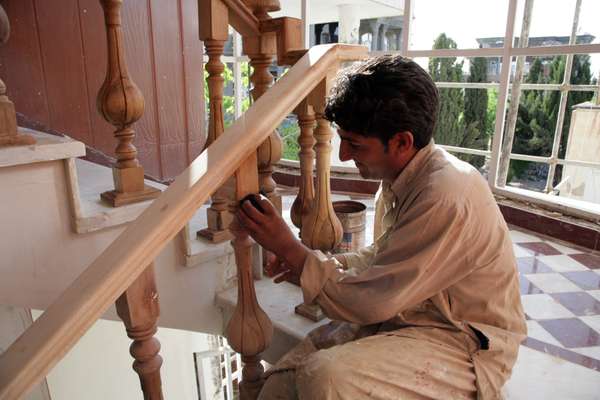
column 123, row 262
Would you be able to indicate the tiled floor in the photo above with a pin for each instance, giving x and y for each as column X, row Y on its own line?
column 560, row 287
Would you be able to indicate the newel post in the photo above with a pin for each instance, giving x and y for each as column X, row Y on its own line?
column 121, row 103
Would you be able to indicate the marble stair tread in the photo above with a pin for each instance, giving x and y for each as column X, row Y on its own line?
column 47, row 148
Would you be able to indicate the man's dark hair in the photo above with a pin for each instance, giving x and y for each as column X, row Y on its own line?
column 383, row 96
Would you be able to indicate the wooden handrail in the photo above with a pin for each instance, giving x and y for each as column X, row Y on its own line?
column 50, row 337
column 242, row 19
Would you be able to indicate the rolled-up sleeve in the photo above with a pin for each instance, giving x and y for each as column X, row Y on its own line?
column 424, row 254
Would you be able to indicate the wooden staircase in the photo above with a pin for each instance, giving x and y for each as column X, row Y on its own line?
column 236, row 161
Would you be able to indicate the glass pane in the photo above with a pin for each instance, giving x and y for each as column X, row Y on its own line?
column 535, row 123
column 545, row 69
column 461, row 69
column 585, row 69
column 588, row 20
column 551, row 22
column 527, row 175
column 584, row 138
column 467, row 115
column 470, row 24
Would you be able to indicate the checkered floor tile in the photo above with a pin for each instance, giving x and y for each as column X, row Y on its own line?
column 560, row 291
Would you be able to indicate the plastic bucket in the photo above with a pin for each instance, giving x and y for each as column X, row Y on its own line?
column 353, row 216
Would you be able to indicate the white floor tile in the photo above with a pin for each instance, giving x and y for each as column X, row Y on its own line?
column 542, row 306
column 595, row 293
column 553, row 283
column 593, row 321
column 520, row 237
column 562, row 263
column 536, row 331
column 540, row 376
column 593, row 352
column 521, row 252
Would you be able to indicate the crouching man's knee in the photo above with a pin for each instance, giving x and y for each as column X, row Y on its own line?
column 321, row 375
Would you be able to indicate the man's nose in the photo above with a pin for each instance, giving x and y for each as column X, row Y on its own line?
column 344, row 152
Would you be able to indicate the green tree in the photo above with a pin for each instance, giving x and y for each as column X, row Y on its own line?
column 450, row 125
column 538, row 110
column 229, row 101
column 476, row 109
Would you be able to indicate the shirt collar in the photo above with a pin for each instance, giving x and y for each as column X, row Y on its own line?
column 413, row 168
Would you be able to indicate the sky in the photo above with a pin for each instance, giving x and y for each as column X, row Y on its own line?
column 466, row 20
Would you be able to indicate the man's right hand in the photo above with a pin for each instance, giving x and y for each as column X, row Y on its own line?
column 269, row 230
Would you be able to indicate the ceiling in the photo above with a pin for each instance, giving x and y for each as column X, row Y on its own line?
column 328, row 10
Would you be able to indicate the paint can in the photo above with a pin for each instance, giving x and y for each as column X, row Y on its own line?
column 353, row 216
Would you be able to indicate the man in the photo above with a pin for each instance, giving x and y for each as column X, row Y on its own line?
column 431, row 309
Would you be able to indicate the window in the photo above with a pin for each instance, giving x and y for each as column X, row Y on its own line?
column 536, row 140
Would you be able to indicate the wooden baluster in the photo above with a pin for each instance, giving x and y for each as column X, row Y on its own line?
column 306, row 195
column 138, row 308
column 261, row 50
column 214, row 33
column 121, row 104
column 218, row 216
column 249, row 331
column 321, row 229
column 8, row 116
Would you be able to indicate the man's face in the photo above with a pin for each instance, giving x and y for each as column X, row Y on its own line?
column 369, row 155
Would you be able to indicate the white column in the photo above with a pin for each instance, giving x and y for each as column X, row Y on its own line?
column 305, row 11
column 349, row 17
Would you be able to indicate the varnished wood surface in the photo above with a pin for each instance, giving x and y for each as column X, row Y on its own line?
column 55, row 62
column 33, row 354
column 139, row 309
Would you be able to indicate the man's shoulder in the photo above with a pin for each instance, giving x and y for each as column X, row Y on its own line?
column 447, row 177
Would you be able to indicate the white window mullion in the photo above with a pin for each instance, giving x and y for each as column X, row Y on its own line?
column 406, row 27
column 502, row 92
column 304, row 15
column 515, row 98
column 564, row 95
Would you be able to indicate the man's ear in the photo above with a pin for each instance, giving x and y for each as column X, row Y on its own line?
column 401, row 142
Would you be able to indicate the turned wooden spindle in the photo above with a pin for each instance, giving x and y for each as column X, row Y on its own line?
column 218, row 216
column 306, row 195
column 321, row 228
column 121, row 103
column 262, row 50
column 249, row 331
column 138, row 308
column 8, row 116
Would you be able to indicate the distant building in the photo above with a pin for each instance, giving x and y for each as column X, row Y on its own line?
column 494, row 63
column 384, row 33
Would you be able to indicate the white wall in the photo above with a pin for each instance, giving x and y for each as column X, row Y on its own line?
column 583, row 183
column 99, row 366
column 42, row 255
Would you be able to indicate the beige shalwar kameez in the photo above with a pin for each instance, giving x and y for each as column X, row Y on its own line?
column 432, row 308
